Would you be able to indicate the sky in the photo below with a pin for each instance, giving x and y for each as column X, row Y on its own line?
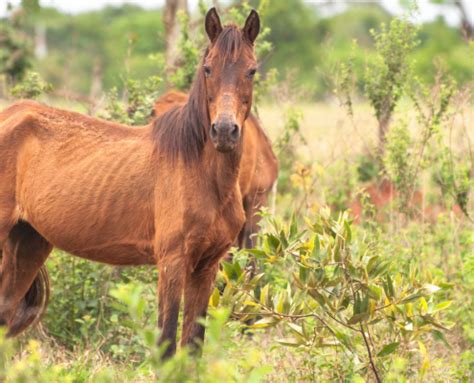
column 428, row 11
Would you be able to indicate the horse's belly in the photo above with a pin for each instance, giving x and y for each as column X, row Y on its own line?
column 119, row 254
column 91, row 204
column 77, row 227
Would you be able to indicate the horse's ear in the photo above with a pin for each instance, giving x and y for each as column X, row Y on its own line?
column 213, row 24
column 252, row 26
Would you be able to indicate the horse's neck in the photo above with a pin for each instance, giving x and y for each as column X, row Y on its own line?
column 222, row 170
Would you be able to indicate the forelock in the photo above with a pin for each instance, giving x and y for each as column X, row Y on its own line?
column 230, row 43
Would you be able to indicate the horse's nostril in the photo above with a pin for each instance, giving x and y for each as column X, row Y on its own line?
column 235, row 131
column 213, row 131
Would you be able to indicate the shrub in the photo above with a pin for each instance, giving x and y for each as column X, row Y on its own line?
column 388, row 73
column 344, row 294
column 31, row 87
column 138, row 102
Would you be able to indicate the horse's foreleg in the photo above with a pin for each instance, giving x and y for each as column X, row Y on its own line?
column 197, row 291
column 170, row 290
column 23, row 292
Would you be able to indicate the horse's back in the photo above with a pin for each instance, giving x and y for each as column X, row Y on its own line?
column 14, row 120
column 266, row 167
column 169, row 100
column 82, row 182
column 18, row 107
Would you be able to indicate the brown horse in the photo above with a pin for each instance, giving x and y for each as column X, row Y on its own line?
column 165, row 194
column 258, row 167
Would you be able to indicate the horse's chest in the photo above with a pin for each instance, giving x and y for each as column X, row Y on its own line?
column 229, row 222
column 217, row 235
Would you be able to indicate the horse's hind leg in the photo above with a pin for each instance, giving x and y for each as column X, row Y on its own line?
column 24, row 286
column 7, row 188
column 7, row 221
column 252, row 205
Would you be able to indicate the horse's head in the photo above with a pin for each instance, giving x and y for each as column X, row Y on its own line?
column 229, row 68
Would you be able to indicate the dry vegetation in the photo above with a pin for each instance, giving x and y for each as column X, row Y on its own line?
column 384, row 296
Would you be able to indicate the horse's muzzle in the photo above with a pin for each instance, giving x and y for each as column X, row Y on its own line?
column 225, row 134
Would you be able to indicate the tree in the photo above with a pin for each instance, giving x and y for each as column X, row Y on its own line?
column 16, row 47
column 389, row 73
column 15, row 53
column 172, row 7
column 467, row 27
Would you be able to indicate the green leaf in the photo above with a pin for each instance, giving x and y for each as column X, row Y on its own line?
column 254, row 281
column 374, row 261
column 344, row 339
column 337, row 249
column 283, row 239
column 273, row 242
column 250, row 303
column 365, row 304
column 280, row 303
column 411, row 297
column 442, row 306
column 296, row 328
column 375, row 321
column 293, row 226
column 320, row 298
column 315, row 253
column 264, row 322
column 375, row 292
column 388, row 287
column 379, row 268
column 302, row 277
column 347, row 232
column 439, row 336
column 256, row 252
column 423, row 305
column 215, row 298
column 292, row 342
column 388, row 349
column 446, row 325
column 446, row 285
column 264, row 294
column 356, row 307
column 237, row 270
column 358, row 318
column 228, row 269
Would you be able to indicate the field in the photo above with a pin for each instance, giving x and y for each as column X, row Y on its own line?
column 88, row 333
column 363, row 269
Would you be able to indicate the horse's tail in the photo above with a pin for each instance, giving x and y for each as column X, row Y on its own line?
column 33, row 304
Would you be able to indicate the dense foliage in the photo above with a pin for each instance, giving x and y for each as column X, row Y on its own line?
column 132, row 38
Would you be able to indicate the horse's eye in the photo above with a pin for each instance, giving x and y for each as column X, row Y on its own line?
column 252, row 73
column 207, row 71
